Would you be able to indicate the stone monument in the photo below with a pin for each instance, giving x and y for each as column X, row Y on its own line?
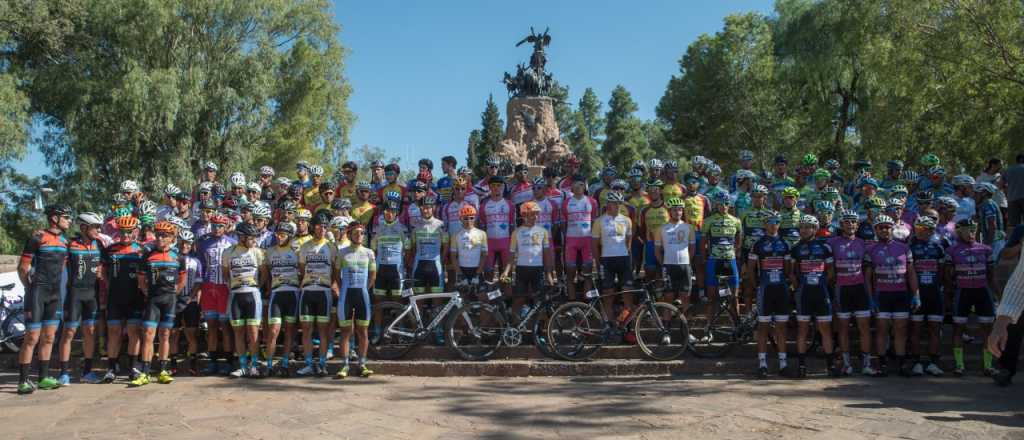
column 531, row 135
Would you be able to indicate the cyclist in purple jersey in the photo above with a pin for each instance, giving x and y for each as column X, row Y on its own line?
column 929, row 255
column 892, row 279
column 214, row 287
column 970, row 271
column 810, row 272
column 851, row 297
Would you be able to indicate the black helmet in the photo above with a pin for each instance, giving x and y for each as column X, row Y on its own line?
column 247, row 229
column 58, row 210
column 341, row 204
column 322, row 217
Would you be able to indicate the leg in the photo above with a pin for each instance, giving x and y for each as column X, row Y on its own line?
column 881, row 340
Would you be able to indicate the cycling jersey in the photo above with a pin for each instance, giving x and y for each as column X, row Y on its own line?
column 548, row 216
column 428, row 239
column 866, row 232
column 521, row 192
column 675, row 239
column 753, row 227
column 311, row 198
column 444, row 188
column 469, row 245
column 743, row 203
column 965, row 208
column 162, row 270
column 652, row 217
column 450, row 213
column 317, row 257
column 209, row 250
column 890, row 261
column 928, row 256
column 389, row 187
column 83, row 262
column 497, row 217
column 988, row 209
column 557, row 196
column 300, row 240
column 47, row 252
column 638, row 201
column 613, row 233
column 721, row 230
column 695, row 207
column 771, row 254
column 243, row 266
column 578, row 213
column 284, row 267
column 811, row 258
column 355, row 264
column 789, row 226
column 528, row 245
column 971, row 263
column 411, row 216
column 389, row 244
column 671, row 189
column 849, row 255
column 121, row 265
column 362, row 212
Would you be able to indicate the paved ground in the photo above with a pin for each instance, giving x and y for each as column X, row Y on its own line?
column 422, row 408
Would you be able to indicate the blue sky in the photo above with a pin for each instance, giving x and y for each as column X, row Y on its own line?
column 421, row 71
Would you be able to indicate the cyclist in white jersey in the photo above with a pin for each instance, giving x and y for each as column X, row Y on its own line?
column 578, row 213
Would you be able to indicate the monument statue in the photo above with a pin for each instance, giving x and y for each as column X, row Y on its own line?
column 531, row 135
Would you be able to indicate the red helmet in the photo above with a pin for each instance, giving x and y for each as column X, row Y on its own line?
column 220, row 219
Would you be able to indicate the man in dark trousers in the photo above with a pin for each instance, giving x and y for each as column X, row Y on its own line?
column 1007, row 332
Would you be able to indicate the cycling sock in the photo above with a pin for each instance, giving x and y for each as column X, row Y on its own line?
column 131, row 360
column 44, row 368
column 309, row 359
column 762, row 360
column 163, row 365
column 23, row 370
column 323, row 359
column 866, row 359
column 986, row 359
column 243, row 361
column 270, row 362
column 958, row 357
column 145, row 368
column 63, row 367
column 782, row 360
column 284, row 361
column 111, row 364
column 86, row 366
column 362, row 361
column 846, row 359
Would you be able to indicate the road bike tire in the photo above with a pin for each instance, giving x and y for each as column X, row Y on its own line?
column 387, row 345
column 661, row 331
column 474, row 330
column 540, row 338
column 712, row 337
column 576, row 331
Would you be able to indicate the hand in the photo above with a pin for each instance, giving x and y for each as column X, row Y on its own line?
column 998, row 336
column 915, row 303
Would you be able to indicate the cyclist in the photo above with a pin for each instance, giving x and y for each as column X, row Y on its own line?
column 578, row 213
column 302, row 228
column 891, row 278
column 482, row 187
column 497, row 217
column 283, row 307
column 851, row 295
column 572, row 168
column 266, row 183
column 362, row 209
column 789, row 228
column 873, row 208
column 391, row 173
column 80, row 304
column 767, row 259
column 187, row 313
column 946, row 227
column 243, row 266
column 780, row 180
column 170, row 205
column 214, row 300
column 823, row 211
column 990, row 218
column 449, row 166
column 963, row 186
column 655, row 168
column 356, row 268
column 674, row 244
column 970, row 272
column 41, row 269
column 532, row 256
column 670, row 177
column 810, row 274
column 612, row 233
column 521, row 190
column 119, row 263
column 929, row 252
column 160, row 277
column 742, row 192
column 901, row 231
column 316, row 260
column 429, row 243
column 346, row 181
column 260, row 220
column 746, row 158
column 468, row 246
column 390, row 245
column 598, row 189
column 722, row 240
column 695, row 207
column 650, row 220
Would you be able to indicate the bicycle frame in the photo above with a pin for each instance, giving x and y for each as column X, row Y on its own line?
column 454, row 300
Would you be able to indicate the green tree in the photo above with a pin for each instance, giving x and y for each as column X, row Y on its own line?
column 492, row 131
column 150, row 90
column 624, row 141
column 586, row 134
column 564, row 116
column 471, row 145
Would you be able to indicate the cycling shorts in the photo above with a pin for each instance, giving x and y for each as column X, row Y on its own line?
column 698, row 250
column 577, row 252
column 893, row 305
column 680, row 277
column 214, row 302
column 978, row 299
column 528, row 280
column 315, row 305
column 159, row 311
column 119, row 314
column 852, row 301
column 931, row 308
column 188, row 316
column 389, row 281
column 354, row 304
column 773, row 303
column 245, row 307
column 284, row 306
column 616, row 272
column 813, row 301
column 427, row 276
column 43, row 307
column 645, row 249
column 80, row 308
column 497, row 248
column 715, row 267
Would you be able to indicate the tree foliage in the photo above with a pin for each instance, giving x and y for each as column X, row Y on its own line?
column 492, row 131
column 624, row 141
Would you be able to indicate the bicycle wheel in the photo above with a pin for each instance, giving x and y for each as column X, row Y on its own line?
column 14, row 329
column 575, row 331
column 661, row 331
column 398, row 336
column 474, row 330
column 540, row 339
column 711, row 336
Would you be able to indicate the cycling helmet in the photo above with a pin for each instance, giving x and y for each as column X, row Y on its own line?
column 639, row 163
column 809, row 159
column 832, row 164
column 609, row 171
column 316, row 170
column 392, row 205
column 303, row 214
column 206, row 187
column 849, row 215
column 875, row 203
column 539, row 183
column 656, row 183
column 613, row 197
column 129, row 186
column 985, row 187
column 321, row 218
column 90, row 218
column 937, row 171
column 419, row 186
column 377, row 163
column 790, row 192
column 714, row 170
column 619, row 184
column 147, row 219
column 428, row 201
column 177, row 221
column 869, row 181
column 170, row 190
column 220, row 219
column 493, row 161
column 929, row 160
column 923, row 197
column 186, row 236
column 674, row 202
column 894, row 203
column 909, row 177
column 636, row 173
column 126, row 222
column 119, row 199
column 781, row 159
column 392, row 168
column 690, row 177
column 237, row 180
column 326, row 187
column 894, row 164
column 467, row 211
column 968, row 223
column 529, row 207
column 260, row 211
column 247, row 230
column 655, row 164
column 166, row 227
column 962, row 180
column 283, row 181
column 745, row 174
column 289, row 206
column 808, row 220
column 948, row 203
column 362, row 185
column 772, row 217
column 824, row 206
column 861, row 164
column 671, row 165
column 122, row 212
column 302, row 165
column 830, row 193
column 898, row 189
column 883, row 220
column 339, row 222
column 723, row 198
column 925, row 221
column 183, row 197
column 253, row 186
column 266, row 171
column 147, row 207
column 696, row 162
column 210, row 166
column 286, row 227
column 759, row 189
column 341, row 204
column 746, row 155
column 821, row 173
column 393, row 196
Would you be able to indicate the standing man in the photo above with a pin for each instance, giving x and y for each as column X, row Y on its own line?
column 40, row 270
column 892, row 279
column 81, row 304
column 214, row 299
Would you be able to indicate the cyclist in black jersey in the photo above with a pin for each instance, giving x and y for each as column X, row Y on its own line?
column 40, row 270
column 81, row 302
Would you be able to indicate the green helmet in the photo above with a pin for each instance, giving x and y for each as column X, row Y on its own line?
column 822, row 173
column 929, row 160
column 122, row 212
column 674, row 202
column 810, row 159
column 656, row 183
column 875, row 203
column 790, row 192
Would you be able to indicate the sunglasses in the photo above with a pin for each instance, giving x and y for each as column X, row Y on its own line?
column 470, row 218
column 217, row 226
column 125, row 231
column 163, row 235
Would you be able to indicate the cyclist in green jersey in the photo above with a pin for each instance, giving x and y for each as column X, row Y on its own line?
column 754, row 227
column 789, row 228
column 284, row 297
column 723, row 235
column 358, row 268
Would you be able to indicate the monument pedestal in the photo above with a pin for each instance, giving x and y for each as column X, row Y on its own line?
column 531, row 135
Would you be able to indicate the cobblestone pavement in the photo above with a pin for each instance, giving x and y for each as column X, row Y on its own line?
column 423, row 407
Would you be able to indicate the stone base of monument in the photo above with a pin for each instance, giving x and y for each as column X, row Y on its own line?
column 531, row 134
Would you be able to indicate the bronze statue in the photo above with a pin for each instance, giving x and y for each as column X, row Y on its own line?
column 540, row 41
column 532, row 80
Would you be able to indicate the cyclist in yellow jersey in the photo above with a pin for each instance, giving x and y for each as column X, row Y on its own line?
column 670, row 176
column 651, row 218
column 722, row 238
column 302, row 235
column 246, row 272
column 283, row 307
column 612, row 232
column 362, row 208
column 695, row 208
column 319, row 291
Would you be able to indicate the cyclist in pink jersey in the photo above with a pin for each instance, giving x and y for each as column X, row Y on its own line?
column 578, row 213
column 970, row 271
column 548, row 217
column 497, row 218
column 521, row 191
column 851, row 298
column 572, row 167
column 891, row 276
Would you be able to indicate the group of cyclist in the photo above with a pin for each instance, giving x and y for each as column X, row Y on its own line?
column 264, row 258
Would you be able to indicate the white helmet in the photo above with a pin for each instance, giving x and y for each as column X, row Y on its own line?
column 90, row 218
column 260, row 211
column 129, row 186
column 316, row 170
column 266, row 171
column 170, row 190
column 962, row 180
column 177, row 221
column 206, row 186
column 237, row 180
column 147, row 207
column 186, row 235
column 339, row 222
column 253, row 186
